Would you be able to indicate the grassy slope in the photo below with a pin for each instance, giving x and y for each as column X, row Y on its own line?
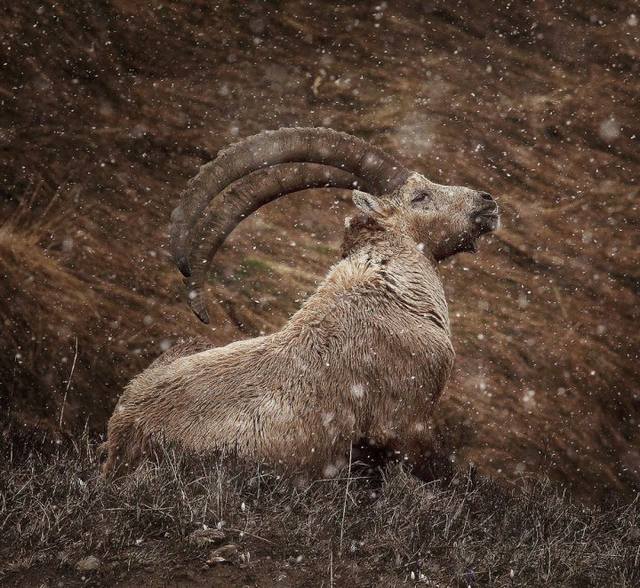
column 148, row 528
column 106, row 112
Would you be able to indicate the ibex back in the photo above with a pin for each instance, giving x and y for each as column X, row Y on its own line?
column 368, row 353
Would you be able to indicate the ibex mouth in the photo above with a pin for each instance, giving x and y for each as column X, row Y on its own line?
column 487, row 218
column 487, row 222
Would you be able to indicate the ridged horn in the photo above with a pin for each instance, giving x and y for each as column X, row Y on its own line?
column 252, row 167
column 240, row 200
column 380, row 172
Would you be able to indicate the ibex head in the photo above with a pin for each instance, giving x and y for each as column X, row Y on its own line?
column 443, row 220
column 262, row 168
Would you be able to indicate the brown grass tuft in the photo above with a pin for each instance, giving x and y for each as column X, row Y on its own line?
column 56, row 512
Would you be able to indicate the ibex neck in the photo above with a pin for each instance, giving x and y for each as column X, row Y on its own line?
column 410, row 279
column 363, row 231
column 385, row 271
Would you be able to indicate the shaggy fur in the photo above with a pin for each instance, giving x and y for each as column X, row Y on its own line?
column 365, row 357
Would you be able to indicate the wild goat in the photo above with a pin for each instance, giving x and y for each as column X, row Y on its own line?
column 368, row 353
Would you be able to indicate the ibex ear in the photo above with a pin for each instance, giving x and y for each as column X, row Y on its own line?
column 366, row 202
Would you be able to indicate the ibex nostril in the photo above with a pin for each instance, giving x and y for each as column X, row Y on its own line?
column 486, row 196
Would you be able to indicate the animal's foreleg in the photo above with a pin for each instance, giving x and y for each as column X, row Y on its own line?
column 423, row 456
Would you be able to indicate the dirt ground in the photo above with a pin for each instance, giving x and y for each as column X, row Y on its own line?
column 108, row 107
column 179, row 521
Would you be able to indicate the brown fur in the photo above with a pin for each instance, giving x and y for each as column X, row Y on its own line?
column 360, row 229
column 366, row 357
column 181, row 349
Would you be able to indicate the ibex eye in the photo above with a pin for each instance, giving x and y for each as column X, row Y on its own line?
column 420, row 197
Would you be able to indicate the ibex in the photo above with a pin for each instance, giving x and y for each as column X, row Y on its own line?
column 365, row 357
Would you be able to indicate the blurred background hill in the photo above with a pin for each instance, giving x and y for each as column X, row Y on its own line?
column 107, row 108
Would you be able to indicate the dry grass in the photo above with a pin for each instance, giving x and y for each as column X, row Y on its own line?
column 55, row 511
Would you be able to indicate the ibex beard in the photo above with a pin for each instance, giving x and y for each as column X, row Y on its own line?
column 365, row 357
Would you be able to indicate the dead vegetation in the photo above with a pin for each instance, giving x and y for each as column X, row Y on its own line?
column 176, row 520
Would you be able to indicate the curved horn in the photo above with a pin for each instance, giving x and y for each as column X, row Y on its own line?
column 241, row 199
column 314, row 145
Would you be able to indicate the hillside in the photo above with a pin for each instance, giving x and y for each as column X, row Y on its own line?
column 108, row 108
column 180, row 522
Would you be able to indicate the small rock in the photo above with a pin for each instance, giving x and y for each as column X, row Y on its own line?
column 204, row 537
column 228, row 550
column 88, row 564
column 223, row 554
